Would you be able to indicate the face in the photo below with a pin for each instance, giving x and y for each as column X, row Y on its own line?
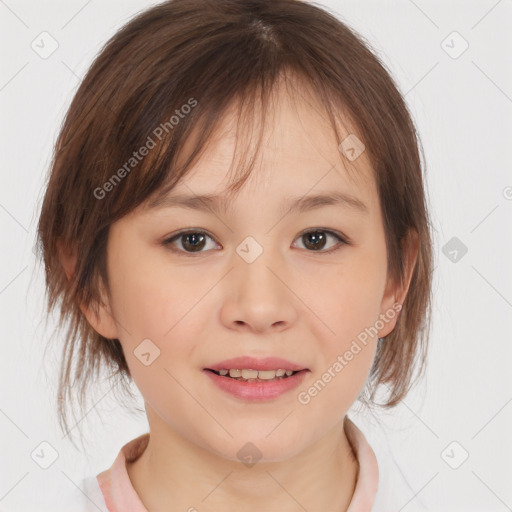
column 256, row 279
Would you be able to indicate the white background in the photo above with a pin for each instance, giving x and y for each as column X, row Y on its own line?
column 462, row 107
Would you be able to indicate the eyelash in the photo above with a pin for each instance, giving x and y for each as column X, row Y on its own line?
column 341, row 239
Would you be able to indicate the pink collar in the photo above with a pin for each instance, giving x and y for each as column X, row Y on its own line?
column 120, row 496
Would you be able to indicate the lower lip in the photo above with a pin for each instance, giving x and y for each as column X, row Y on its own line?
column 257, row 391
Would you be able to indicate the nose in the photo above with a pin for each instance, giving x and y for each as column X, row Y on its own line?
column 257, row 296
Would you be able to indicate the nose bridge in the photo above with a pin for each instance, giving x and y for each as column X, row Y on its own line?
column 260, row 298
column 255, row 268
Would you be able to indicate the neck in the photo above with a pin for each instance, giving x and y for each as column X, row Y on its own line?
column 174, row 474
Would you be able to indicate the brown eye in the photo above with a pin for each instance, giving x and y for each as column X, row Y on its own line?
column 188, row 242
column 316, row 240
column 196, row 242
column 193, row 242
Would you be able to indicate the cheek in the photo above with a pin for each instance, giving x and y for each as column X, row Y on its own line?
column 156, row 302
column 347, row 300
column 347, row 297
column 346, row 354
column 152, row 299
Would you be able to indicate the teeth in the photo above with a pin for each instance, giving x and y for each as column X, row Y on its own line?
column 255, row 374
column 248, row 374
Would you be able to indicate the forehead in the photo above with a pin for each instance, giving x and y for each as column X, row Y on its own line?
column 300, row 153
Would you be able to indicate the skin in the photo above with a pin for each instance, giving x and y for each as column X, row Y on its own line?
column 292, row 302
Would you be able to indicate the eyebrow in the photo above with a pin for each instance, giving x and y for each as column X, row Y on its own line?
column 220, row 204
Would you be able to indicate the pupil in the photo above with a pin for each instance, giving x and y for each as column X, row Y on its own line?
column 315, row 237
column 195, row 237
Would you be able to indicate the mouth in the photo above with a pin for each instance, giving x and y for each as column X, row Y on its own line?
column 254, row 384
column 251, row 375
column 252, row 369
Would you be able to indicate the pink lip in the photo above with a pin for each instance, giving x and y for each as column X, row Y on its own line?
column 256, row 391
column 252, row 363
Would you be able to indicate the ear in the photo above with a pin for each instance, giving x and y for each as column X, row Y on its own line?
column 102, row 320
column 396, row 293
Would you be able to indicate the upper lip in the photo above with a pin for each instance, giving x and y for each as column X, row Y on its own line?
column 252, row 363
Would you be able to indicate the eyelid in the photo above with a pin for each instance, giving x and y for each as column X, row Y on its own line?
column 168, row 240
column 186, row 231
column 343, row 238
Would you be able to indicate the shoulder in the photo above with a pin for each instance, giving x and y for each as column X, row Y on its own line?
column 394, row 490
column 87, row 496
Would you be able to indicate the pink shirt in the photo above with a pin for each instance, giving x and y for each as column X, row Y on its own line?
column 120, row 496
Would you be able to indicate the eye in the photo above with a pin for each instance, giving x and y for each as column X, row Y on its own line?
column 194, row 241
column 316, row 239
column 190, row 241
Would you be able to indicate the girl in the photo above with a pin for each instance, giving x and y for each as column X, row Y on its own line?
column 251, row 300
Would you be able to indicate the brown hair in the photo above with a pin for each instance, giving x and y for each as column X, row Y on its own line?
column 206, row 55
